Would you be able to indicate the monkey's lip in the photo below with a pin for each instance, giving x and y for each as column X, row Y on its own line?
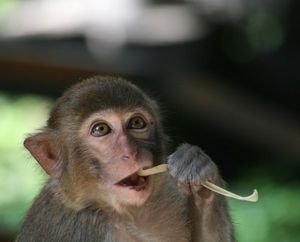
column 134, row 181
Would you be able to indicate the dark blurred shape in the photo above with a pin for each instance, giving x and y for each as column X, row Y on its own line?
column 256, row 122
column 265, row 31
column 226, row 73
column 108, row 26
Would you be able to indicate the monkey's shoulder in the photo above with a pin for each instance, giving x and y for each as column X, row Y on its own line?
column 48, row 216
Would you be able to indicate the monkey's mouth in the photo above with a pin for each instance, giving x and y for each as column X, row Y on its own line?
column 134, row 182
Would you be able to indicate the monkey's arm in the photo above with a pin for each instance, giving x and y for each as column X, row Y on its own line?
column 209, row 216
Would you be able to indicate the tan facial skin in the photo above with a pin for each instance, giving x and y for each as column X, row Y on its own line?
column 118, row 156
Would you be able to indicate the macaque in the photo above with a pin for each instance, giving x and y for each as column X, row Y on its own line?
column 100, row 133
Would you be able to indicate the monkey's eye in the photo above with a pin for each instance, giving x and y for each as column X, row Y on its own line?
column 137, row 123
column 100, row 129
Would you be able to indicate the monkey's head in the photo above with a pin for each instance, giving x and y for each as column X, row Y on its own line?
column 99, row 134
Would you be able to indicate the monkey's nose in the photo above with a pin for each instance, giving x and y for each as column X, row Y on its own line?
column 130, row 156
column 128, row 149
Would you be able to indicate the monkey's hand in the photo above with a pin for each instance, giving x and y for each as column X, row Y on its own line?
column 190, row 166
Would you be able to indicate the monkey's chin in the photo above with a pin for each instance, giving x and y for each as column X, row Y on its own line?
column 133, row 190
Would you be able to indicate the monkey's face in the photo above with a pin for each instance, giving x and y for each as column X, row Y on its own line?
column 120, row 142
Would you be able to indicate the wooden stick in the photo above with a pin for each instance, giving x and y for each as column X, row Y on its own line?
column 251, row 198
column 164, row 167
column 153, row 170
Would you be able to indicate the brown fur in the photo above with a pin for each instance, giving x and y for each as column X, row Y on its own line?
column 76, row 205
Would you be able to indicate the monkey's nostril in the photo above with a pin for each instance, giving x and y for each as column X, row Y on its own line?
column 130, row 156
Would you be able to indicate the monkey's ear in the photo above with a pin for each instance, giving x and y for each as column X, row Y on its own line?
column 43, row 150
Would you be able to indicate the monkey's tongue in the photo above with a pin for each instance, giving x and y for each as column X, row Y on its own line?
column 133, row 181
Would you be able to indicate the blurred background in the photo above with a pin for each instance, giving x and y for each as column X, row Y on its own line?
column 226, row 73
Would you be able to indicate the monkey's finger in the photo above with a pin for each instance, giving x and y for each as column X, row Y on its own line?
column 184, row 187
column 202, row 192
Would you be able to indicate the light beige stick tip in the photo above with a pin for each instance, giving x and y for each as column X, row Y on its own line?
column 164, row 167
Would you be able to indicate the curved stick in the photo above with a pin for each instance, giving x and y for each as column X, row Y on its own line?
column 251, row 198
column 164, row 167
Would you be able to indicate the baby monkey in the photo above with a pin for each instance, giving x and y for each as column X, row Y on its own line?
column 99, row 135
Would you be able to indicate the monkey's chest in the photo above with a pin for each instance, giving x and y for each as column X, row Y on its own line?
column 154, row 229
column 164, row 234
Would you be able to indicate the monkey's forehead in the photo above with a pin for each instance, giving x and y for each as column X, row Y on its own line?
column 78, row 114
column 81, row 103
column 122, row 114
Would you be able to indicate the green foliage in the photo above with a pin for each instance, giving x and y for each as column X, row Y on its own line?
column 20, row 180
column 275, row 217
